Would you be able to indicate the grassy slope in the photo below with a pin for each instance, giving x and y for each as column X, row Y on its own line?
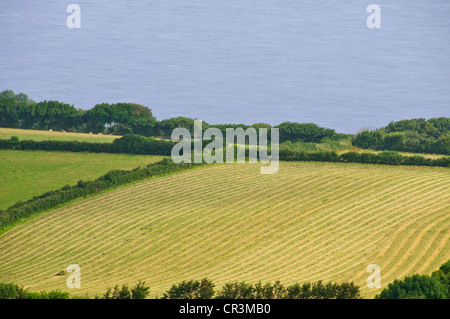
column 308, row 222
column 36, row 135
column 24, row 174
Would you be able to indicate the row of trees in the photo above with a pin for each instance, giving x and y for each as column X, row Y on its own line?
column 204, row 289
column 289, row 131
column 385, row 157
column 13, row 291
column 18, row 111
column 416, row 135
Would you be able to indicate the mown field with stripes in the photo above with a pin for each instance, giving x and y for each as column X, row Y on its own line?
column 227, row 222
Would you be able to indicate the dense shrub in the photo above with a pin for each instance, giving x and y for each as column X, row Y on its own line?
column 17, row 111
column 55, row 294
column 140, row 291
column 387, row 157
column 415, row 287
column 193, row 289
column 132, row 144
column 415, row 135
column 305, row 132
column 443, row 275
column 436, row 286
column 12, row 291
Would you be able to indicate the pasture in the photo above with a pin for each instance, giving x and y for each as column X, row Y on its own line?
column 37, row 135
column 308, row 222
column 24, row 174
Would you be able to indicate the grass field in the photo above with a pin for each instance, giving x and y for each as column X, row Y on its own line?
column 35, row 135
column 24, row 174
column 308, row 222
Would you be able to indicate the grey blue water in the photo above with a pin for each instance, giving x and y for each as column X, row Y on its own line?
column 235, row 61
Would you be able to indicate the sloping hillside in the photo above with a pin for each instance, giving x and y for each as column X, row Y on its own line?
column 308, row 222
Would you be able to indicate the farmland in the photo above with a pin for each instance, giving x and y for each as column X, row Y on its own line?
column 308, row 222
column 25, row 174
column 39, row 135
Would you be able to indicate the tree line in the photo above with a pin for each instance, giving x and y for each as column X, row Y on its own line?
column 205, row 289
column 18, row 111
column 415, row 135
column 385, row 157
column 13, row 291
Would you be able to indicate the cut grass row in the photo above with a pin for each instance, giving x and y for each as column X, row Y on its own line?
column 308, row 222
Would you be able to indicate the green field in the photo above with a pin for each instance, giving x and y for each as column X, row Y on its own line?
column 24, row 174
column 308, row 222
column 35, row 135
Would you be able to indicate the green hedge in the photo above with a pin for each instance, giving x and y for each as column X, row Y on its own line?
column 387, row 158
column 133, row 144
column 128, row 144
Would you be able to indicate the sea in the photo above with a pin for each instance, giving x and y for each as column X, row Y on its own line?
column 235, row 61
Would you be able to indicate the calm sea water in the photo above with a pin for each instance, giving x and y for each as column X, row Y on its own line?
column 233, row 61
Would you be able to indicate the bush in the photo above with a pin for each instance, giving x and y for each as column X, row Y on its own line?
column 55, row 294
column 193, row 289
column 237, row 290
column 9, row 291
column 416, row 135
column 12, row 291
column 387, row 158
column 242, row 290
column 140, row 291
column 415, row 287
